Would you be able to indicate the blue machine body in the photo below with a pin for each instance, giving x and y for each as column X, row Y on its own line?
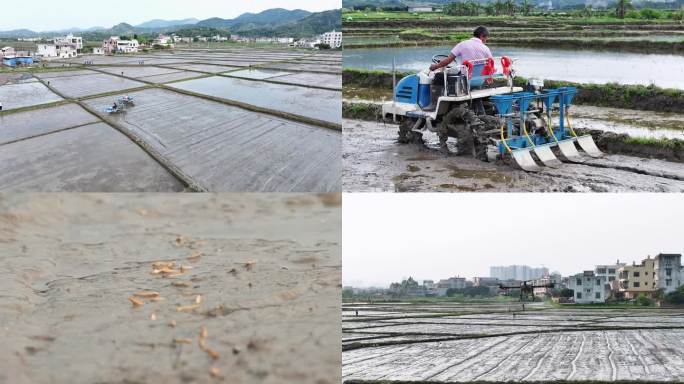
column 407, row 90
column 424, row 95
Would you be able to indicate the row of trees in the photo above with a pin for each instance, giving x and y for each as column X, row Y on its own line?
column 495, row 8
column 623, row 9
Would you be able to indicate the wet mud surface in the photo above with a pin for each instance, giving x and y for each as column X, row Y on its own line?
column 373, row 160
column 90, row 84
column 27, row 94
column 88, row 158
column 483, row 342
column 226, row 148
column 286, row 98
column 254, row 298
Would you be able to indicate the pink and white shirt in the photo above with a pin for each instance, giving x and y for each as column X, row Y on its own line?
column 471, row 49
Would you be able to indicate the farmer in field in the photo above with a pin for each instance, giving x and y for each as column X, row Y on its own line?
column 471, row 49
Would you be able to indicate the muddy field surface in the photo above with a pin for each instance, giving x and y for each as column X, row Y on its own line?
column 90, row 294
column 282, row 137
column 19, row 95
column 289, row 99
column 373, row 160
column 209, row 142
column 501, row 342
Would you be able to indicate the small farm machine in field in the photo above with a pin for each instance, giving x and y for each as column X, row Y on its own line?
column 488, row 121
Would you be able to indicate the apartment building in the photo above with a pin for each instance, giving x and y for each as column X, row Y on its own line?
column 668, row 271
column 637, row 279
column 518, row 272
column 115, row 45
column 69, row 40
column 588, row 288
column 333, row 39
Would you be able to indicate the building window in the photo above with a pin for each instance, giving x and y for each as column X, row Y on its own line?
column 611, row 278
column 645, row 273
column 636, row 284
column 611, row 271
column 601, row 271
column 598, row 295
column 668, row 282
column 636, row 274
column 668, row 272
column 579, row 295
column 598, row 282
column 579, row 281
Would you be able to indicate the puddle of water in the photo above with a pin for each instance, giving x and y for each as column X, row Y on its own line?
column 583, row 66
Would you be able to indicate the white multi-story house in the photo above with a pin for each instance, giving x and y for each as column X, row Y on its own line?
column 115, row 45
column 668, row 271
column 588, row 288
column 61, row 50
column 46, row 50
column 307, row 43
column 70, row 39
column 333, row 39
column 7, row 51
column 127, row 46
column 163, row 40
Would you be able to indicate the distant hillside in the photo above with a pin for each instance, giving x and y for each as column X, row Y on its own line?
column 266, row 19
column 158, row 23
column 314, row 24
column 272, row 22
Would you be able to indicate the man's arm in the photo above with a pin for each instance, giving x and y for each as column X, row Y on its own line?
column 443, row 63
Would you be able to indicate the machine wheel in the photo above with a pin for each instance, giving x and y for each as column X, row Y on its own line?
column 460, row 121
column 407, row 135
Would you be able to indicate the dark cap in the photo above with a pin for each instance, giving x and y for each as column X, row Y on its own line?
column 481, row 32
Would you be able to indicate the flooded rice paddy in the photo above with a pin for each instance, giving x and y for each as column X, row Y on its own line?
column 290, row 99
column 171, row 140
column 582, row 66
column 249, row 290
column 27, row 94
column 450, row 342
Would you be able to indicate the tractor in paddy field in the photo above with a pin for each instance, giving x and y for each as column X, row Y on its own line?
column 489, row 122
column 120, row 105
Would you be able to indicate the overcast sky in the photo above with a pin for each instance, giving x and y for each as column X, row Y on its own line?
column 45, row 15
column 387, row 237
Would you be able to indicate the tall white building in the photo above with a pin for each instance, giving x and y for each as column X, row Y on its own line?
column 70, row 39
column 333, row 39
column 518, row 272
column 588, row 288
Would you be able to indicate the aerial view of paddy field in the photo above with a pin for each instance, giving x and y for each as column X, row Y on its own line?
column 231, row 119
column 170, row 288
column 630, row 98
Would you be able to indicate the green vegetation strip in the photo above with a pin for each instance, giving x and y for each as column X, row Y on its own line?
column 641, row 97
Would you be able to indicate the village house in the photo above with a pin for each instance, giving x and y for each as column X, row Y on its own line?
column 163, row 40
column 588, row 288
column 115, row 45
column 7, row 51
column 333, row 39
column 69, row 40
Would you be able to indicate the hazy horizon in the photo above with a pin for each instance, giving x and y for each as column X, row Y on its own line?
column 389, row 237
column 39, row 16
